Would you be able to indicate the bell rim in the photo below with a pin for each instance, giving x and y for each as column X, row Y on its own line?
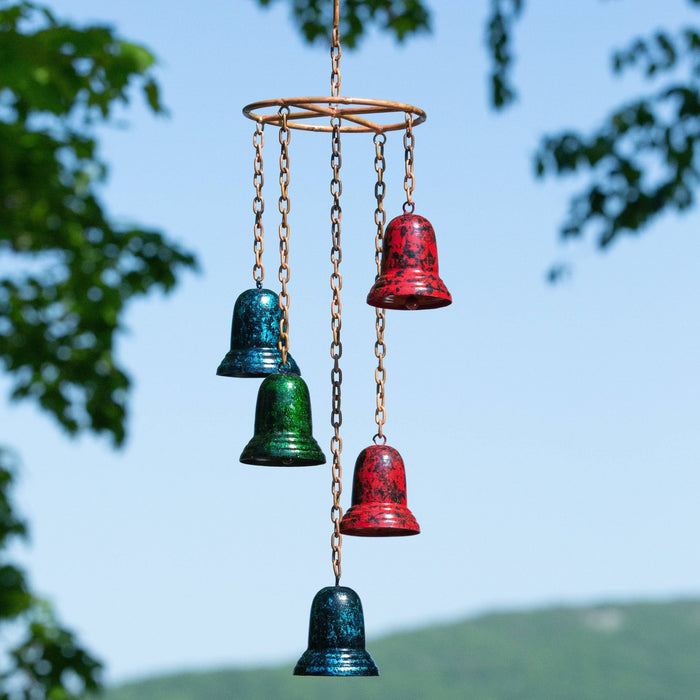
column 263, row 361
column 387, row 521
column 283, row 457
column 345, row 662
column 431, row 296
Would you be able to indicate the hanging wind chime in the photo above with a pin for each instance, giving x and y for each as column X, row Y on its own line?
column 407, row 278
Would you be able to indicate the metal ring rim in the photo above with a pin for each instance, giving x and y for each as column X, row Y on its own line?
column 325, row 108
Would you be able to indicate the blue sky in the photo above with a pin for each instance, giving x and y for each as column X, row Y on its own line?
column 549, row 433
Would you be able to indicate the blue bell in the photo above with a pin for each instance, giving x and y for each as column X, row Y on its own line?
column 336, row 637
column 283, row 429
column 254, row 335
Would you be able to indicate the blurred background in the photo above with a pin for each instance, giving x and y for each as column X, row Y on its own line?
column 549, row 431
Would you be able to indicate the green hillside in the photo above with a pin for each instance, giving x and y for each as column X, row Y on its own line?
column 618, row 652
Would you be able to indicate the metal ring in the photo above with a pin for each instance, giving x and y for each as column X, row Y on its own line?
column 348, row 109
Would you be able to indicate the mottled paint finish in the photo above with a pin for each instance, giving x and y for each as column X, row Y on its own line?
column 336, row 637
column 255, row 332
column 379, row 496
column 283, row 431
column 409, row 276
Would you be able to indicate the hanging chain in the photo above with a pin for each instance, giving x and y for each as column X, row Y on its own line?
column 336, row 350
column 258, row 203
column 284, row 136
column 409, row 180
column 379, row 346
column 335, row 51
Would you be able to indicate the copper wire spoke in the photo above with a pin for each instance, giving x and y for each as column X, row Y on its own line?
column 345, row 108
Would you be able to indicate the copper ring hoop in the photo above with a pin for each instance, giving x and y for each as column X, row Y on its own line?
column 348, row 109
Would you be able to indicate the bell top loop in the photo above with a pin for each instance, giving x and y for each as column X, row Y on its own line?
column 286, row 367
column 377, row 437
column 409, row 207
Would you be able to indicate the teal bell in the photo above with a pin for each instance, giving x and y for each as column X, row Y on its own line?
column 336, row 637
column 254, row 337
column 283, row 425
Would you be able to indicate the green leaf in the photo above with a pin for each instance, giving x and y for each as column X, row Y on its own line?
column 142, row 58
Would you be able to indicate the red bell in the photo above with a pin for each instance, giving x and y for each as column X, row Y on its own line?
column 379, row 496
column 409, row 276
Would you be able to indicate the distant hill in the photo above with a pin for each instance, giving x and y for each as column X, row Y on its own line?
column 644, row 651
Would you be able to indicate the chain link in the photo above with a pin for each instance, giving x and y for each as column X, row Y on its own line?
column 409, row 179
column 379, row 346
column 258, row 203
column 336, row 350
column 335, row 51
column 284, row 136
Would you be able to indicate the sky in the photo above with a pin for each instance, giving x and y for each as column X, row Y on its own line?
column 549, row 432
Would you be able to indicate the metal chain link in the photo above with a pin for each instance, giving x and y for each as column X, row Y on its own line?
column 409, row 180
column 335, row 51
column 284, row 136
column 379, row 346
column 258, row 203
column 336, row 350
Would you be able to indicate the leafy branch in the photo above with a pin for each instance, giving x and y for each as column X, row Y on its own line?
column 642, row 159
column 401, row 18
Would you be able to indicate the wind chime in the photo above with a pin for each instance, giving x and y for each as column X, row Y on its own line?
column 407, row 278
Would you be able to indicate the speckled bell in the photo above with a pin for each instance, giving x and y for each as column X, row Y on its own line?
column 283, row 425
column 409, row 276
column 336, row 637
column 254, row 336
column 379, row 496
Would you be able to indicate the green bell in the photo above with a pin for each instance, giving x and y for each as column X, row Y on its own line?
column 283, row 425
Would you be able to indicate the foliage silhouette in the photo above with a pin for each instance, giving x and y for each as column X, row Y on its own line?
column 71, row 272
column 639, row 163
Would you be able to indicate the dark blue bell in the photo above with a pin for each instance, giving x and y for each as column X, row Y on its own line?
column 336, row 637
column 254, row 335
